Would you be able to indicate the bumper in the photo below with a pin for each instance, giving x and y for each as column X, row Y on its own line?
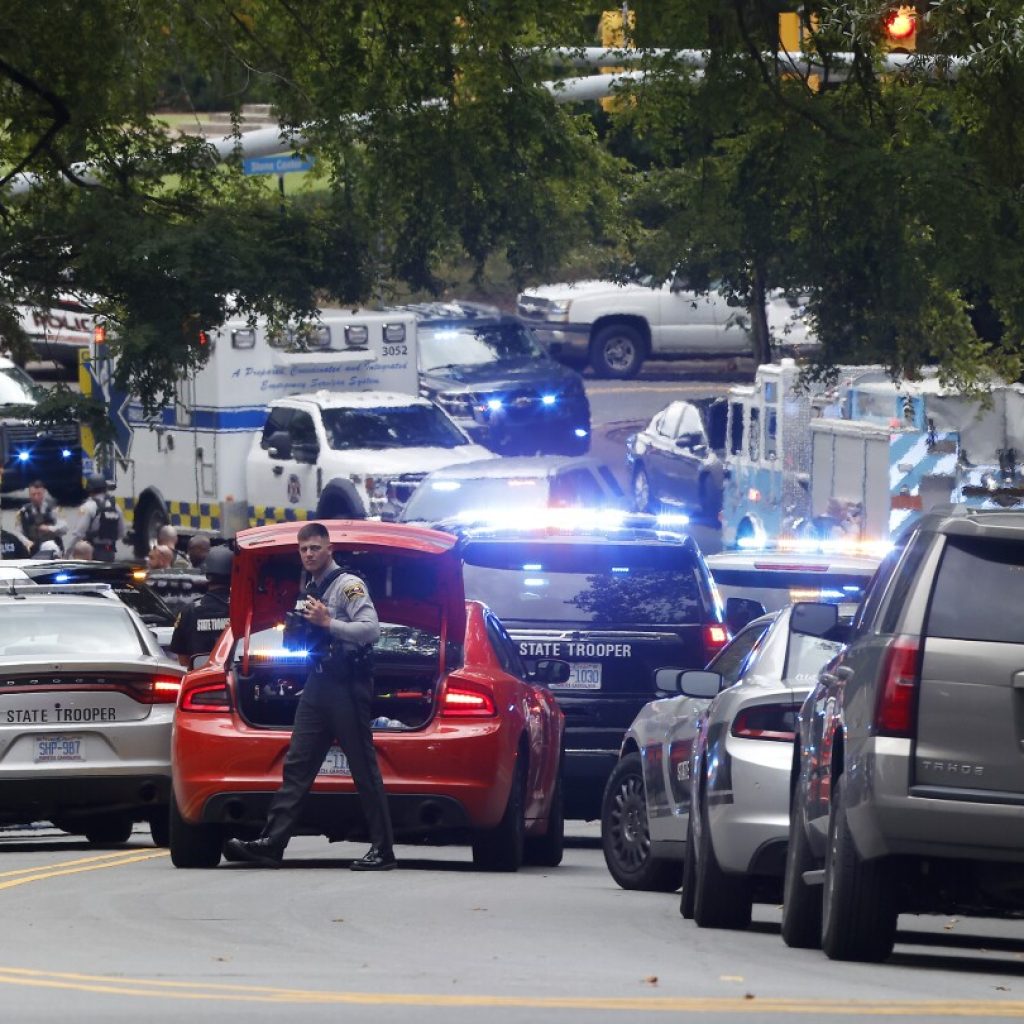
column 754, row 814
column 570, row 341
column 38, row 799
column 439, row 779
column 540, row 431
column 583, row 779
column 886, row 817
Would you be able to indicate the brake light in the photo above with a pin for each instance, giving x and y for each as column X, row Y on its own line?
column 210, row 699
column 464, row 702
column 715, row 638
column 156, row 690
column 897, row 692
column 767, row 722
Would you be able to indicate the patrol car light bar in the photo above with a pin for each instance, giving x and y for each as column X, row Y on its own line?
column 568, row 519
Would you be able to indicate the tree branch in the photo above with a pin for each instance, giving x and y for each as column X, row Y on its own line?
column 61, row 117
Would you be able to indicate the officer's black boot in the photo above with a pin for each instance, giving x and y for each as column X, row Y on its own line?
column 263, row 852
column 377, row 858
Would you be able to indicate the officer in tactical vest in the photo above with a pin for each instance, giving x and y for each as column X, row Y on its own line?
column 38, row 520
column 100, row 521
column 203, row 620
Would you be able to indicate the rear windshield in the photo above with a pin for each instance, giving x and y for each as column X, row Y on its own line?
column 587, row 584
column 979, row 591
column 777, row 589
column 69, row 631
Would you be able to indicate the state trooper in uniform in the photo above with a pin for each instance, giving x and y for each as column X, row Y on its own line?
column 100, row 521
column 335, row 705
column 204, row 618
column 38, row 520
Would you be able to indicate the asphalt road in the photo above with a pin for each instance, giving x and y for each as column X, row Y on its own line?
column 120, row 935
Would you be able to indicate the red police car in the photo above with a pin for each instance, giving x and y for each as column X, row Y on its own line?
column 469, row 742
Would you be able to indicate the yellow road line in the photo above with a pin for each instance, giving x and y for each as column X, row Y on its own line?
column 58, row 871
column 149, row 988
column 70, row 863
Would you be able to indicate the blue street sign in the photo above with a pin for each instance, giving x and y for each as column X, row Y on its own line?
column 275, row 164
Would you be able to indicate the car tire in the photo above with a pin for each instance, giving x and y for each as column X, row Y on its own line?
column 193, row 846
column 546, row 851
column 625, row 838
column 108, row 829
column 617, row 350
column 689, row 874
column 858, row 908
column 501, row 848
column 642, row 490
column 801, row 903
column 160, row 827
column 148, row 520
column 720, row 900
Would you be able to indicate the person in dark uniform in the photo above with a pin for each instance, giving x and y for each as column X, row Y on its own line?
column 335, row 705
column 37, row 518
column 100, row 521
column 203, row 619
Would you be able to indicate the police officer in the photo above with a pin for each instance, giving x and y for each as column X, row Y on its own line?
column 203, row 619
column 37, row 519
column 100, row 521
column 335, row 704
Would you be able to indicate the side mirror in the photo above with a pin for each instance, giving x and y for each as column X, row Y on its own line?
column 551, row 671
column 741, row 610
column 306, row 451
column 279, row 445
column 692, row 441
column 813, row 619
column 699, row 684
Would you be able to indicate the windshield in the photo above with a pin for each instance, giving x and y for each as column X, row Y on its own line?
column 584, row 583
column 18, row 388
column 68, row 631
column 476, row 345
column 439, row 499
column 406, row 426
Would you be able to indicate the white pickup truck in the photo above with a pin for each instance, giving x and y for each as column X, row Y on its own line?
column 615, row 327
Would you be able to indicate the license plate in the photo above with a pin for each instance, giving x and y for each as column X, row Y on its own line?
column 583, row 675
column 335, row 763
column 59, row 748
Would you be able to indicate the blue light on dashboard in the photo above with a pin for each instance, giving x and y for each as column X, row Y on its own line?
column 61, row 577
column 532, row 567
column 445, row 485
column 853, row 589
column 495, row 404
column 65, row 453
column 274, row 653
column 672, row 519
column 620, row 568
column 23, row 456
column 534, row 581
column 580, row 432
column 548, row 399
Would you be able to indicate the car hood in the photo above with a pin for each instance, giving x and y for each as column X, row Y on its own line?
column 388, row 462
column 544, row 373
column 414, row 574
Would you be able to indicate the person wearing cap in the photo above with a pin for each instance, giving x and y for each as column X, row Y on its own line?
column 100, row 521
column 203, row 619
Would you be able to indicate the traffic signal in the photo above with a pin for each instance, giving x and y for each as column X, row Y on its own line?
column 900, row 29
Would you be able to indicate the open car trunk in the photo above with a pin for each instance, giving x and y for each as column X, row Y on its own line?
column 407, row 670
column 414, row 577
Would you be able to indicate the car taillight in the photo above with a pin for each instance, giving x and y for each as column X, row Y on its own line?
column 897, row 691
column 465, row 702
column 156, row 690
column 716, row 637
column 211, row 698
column 767, row 722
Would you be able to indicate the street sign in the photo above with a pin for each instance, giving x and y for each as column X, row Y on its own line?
column 276, row 164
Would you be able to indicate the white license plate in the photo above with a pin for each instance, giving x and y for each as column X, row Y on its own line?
column 59, row 748
column 335, row 763
column 583, row 675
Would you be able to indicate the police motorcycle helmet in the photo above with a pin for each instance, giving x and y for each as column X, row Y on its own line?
column 96, row 483
column 217, row 566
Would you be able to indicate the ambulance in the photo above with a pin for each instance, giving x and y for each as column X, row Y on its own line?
column 314, row 421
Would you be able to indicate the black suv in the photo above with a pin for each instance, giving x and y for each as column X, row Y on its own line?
column 488, row 372
column 909, row 788
column 617, row 603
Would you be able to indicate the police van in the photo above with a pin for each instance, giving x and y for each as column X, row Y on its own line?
column 317, row 421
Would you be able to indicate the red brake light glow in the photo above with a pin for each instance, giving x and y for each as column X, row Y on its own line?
column 463, row 702
column 897, row 694
column 715, row 638
column 210, row 699
column 767, row 722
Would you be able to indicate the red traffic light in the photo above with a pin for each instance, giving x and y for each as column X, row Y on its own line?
column 901, row 24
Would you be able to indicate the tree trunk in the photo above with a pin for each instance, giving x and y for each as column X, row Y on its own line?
column 760, row 339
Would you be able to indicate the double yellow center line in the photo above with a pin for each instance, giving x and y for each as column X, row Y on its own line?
column 22, row 876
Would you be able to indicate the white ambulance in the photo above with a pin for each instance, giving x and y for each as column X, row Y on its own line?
column 317, row 422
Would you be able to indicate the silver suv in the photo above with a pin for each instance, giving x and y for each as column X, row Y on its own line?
column 909, row 781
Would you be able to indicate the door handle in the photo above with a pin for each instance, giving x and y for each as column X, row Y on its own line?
column 278, row 470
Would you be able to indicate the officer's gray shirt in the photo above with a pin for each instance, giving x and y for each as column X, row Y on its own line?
column 353, row 616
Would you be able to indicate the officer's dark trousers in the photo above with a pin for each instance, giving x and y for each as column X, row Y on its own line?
column 343, row 714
